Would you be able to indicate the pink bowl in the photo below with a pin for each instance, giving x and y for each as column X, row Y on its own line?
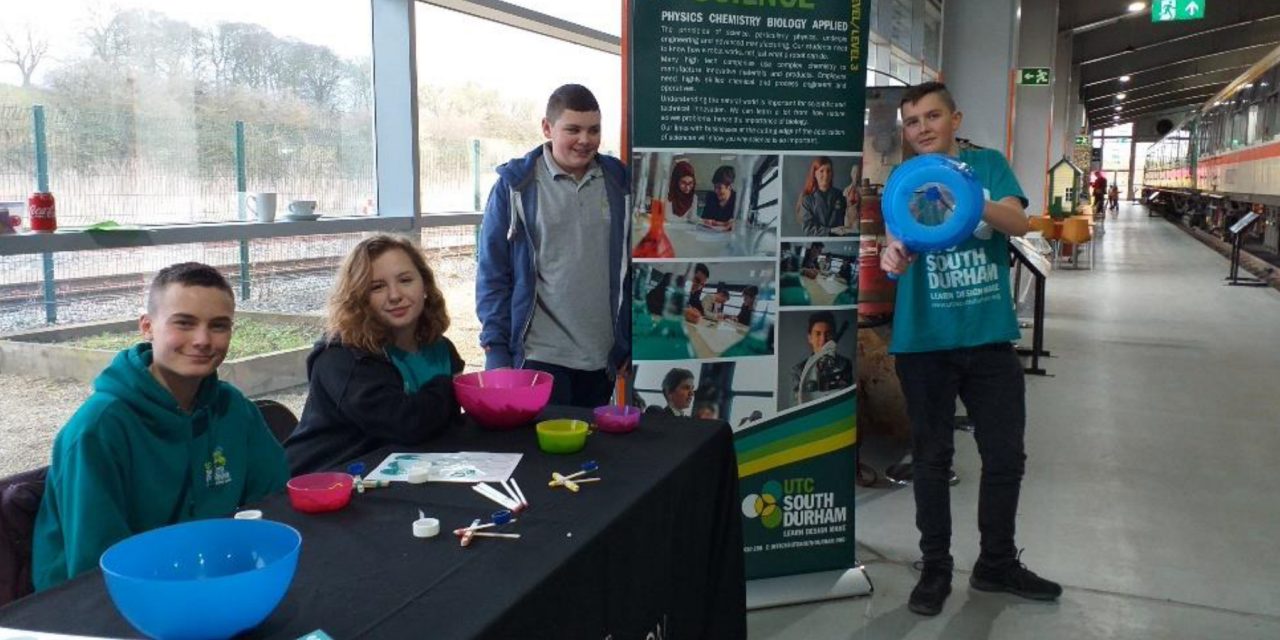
column 319, row 492
column 615, row 419
column 503, row 398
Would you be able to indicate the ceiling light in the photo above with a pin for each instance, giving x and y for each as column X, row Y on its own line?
column 1125, row 78
column 1135, row 7
column 1249, row 86
column 1118, row 108
column 1120, row 96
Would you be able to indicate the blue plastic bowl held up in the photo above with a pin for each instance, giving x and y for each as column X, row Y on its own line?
column 909, row 179
column 202, row 579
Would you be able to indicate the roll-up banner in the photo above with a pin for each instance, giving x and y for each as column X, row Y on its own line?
column 745, row 124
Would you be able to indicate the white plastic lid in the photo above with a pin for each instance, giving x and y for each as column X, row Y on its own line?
column 426, row 528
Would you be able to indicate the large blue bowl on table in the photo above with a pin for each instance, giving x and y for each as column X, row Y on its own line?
column 202, row 579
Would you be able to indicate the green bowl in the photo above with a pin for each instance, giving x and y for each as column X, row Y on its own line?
column 562, row 436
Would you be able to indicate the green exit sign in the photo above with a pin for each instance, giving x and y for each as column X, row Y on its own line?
column 1171, row 10
column 1036, row 76
column 1082, row 139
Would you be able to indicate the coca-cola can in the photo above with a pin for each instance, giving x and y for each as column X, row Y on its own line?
column 42, row 212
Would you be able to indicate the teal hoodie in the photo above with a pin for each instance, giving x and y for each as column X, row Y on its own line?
column 131, row 460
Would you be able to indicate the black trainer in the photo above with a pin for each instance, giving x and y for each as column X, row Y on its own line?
column 1013, row 577
column 931, row 592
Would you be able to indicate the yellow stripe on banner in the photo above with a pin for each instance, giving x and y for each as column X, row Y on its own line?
column 802, row 452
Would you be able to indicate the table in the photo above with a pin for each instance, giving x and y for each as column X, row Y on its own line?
column 690, row 240
column 824, row 289
column 710, row 339
column 654, row 548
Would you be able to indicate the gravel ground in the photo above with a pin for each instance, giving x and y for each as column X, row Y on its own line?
column 32, row 410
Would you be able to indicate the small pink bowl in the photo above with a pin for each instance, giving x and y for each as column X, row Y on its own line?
column 615, row 419
column 320, row 492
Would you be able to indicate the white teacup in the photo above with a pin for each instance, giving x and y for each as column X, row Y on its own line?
column 263, row 206
column 302, row 208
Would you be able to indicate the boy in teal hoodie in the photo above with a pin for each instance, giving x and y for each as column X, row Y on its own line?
column 161, row 440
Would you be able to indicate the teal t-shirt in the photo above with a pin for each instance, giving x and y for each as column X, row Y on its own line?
column 960, row 297
column 419, row 368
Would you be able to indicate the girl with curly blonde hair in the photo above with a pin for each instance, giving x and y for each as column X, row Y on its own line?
column 383, row 373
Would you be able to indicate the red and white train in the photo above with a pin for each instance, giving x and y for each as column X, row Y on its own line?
column 1224, row 160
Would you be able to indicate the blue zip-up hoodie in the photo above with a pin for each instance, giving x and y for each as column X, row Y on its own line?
column 506, row 282
column 131, row 460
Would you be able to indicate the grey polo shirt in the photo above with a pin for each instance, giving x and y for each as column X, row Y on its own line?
column 572, row 322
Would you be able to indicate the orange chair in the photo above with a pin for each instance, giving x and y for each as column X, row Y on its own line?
column 1040, row 223
column 1076, row 232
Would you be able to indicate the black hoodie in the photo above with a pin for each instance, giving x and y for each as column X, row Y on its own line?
column 356, row 403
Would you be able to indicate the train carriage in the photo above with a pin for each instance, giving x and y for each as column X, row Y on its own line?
column 1224, row 159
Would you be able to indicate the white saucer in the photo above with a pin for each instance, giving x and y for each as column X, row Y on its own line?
column 301, row 218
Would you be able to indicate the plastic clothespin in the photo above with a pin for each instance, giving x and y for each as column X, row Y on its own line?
column 469, row 533
column 498, row 519
column 589, row 466
column 356, row 469
column 561, row 481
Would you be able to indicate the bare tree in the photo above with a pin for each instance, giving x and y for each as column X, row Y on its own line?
column 25, row 51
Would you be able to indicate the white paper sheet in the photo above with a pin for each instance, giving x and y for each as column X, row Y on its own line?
column 463, row 466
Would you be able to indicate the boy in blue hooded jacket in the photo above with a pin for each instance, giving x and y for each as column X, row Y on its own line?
column 161, row 440
column 553, row 258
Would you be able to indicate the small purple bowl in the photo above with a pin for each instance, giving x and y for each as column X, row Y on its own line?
column 615, row 419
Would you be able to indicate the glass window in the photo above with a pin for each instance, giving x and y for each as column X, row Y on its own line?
column 1121, row 180
column 1272, row 127
column 143, row 100
column 1140, row 149
column 1239, row 126
column 900, row 27
column 1115, row 154
column 475, row 116
column 601, row 15
column 900, row 67
column 1251, row 128
column 933, row 35
column 1125, row 129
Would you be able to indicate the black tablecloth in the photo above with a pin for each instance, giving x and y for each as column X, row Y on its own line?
column 653, row 550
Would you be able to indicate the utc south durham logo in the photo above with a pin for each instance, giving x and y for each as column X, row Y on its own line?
column 765, row 505
column 796, row 505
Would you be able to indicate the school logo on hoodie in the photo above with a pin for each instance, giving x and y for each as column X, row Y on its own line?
column 215, row 470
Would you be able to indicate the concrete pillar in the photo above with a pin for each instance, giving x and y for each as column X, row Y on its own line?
column 1064, row 131
column 1033, row 108
column 979, row 53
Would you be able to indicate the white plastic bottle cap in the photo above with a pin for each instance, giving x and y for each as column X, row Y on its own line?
column 426, row 528
column 249, row 514
column 418, row 476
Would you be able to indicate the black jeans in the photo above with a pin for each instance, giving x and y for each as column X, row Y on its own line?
column 576, row 387
column 990, row 381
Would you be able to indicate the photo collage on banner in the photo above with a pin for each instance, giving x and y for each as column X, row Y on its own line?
column 818, row 277
column 742, row 255
column 704, row 309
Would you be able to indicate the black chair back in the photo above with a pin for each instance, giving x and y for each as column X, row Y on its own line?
column 279, row 418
